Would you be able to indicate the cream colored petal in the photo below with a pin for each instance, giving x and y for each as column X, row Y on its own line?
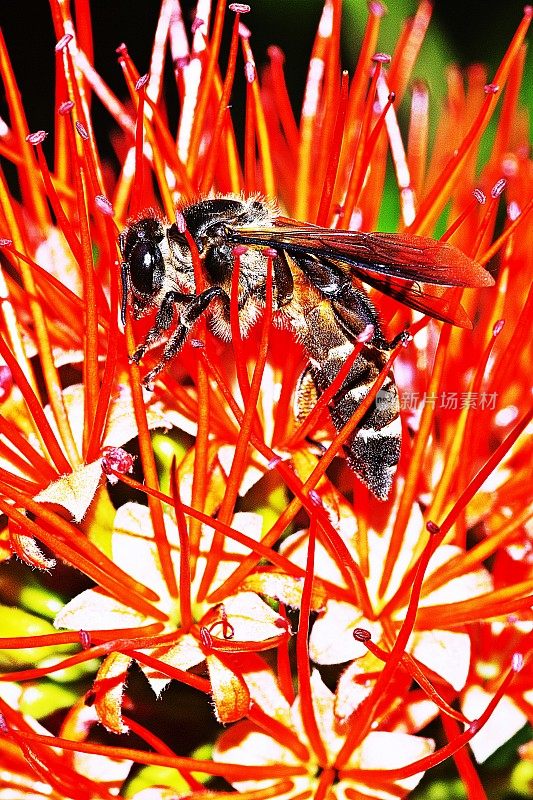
column 445, row 652
column 109, row 689
column 253, row 472
column 464, row 587
column 378, row 547
column 94, row 610
column 121, row 426
column 135, row 551
column 416, row 715
column 251, row 618
column 186, row 653
column 244, row 744
column 244, row 522
column 283, row 587
column 294, row 547
column 384, row 750
column 332, row 641
column 331, row 732
column 80, row 721
column 229, row 690
column 250, row 525
column 350, row 693
column 134, row 519
column 265, row 692
column 506, row 720
column 74, row 491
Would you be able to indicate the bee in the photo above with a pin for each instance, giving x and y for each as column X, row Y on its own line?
column 315, row 292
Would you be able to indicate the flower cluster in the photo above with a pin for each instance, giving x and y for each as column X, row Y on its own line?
column 199, row 596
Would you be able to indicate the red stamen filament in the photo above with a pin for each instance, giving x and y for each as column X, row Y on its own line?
column 477, row 199
column 239, row 460
column 214, row 154
column 466, row 769
column 324, row 211
column 366, row 711
column 209, row 70
column 344, row 559
column 303, row 666
column 236, row 338
column 84, row 556
column 360, row 166
column 35, row 409
column 438, row 195
column 460, row 441
column 150, row 472
column 284, row 664
column 185, row 560
column 418, row 675
column 136, row 202
column 226, row 770
column 203, row 413
column 440, row 755
column 254, row 104
column 103, row 404
column 262, row 548
column 283, row 103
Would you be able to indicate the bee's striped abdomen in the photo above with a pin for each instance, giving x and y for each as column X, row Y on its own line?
column 374, row 450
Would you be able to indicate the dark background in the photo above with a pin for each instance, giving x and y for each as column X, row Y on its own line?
column 474, row 30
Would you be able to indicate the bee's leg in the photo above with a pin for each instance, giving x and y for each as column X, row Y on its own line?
column 162, row 323
column 283, row 280
column 306, row 394
column 125, row 284
column 385, row 344
column 191, row 309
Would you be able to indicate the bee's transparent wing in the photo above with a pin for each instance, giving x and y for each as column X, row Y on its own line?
column 416, row 270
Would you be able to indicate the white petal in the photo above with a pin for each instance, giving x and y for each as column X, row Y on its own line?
column 265, row 692
column 94, row 610
column 332, row 640
column 384, row 750
column 252, row 474
column 464, row 587
column 74, row 491
column 378, row 547
column 135, row 551
column 350, row 693
column 294, row 547
column 445, row 652
column 331, row 731
column 185, row 654
column 252, row 619
column 243, row 744
column 505, row 721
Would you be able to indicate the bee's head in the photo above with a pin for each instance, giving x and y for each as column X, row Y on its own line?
column 143, row 268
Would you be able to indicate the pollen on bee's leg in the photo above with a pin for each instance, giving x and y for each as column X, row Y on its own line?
column 306, row 395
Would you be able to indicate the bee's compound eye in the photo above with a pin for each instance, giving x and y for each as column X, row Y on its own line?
column 146, row 267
